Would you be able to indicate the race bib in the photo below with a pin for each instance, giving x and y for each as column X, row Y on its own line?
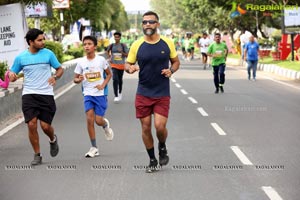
column 93, row 76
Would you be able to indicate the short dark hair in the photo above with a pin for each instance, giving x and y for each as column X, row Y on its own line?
column 118, row 33
column 90, row 37
column 151, row 13
column 219, row 34
column 32, row 34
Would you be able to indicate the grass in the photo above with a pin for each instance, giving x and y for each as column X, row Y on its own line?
column 288, row 64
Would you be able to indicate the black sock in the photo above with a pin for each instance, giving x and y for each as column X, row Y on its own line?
column 151, row 153
column 162, row 145
column 38, row 154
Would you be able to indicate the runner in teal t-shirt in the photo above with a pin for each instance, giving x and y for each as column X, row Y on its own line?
column 218, row 51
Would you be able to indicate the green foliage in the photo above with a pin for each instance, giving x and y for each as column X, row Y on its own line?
column 76, row 52
column 56, row 48
column 3, row 69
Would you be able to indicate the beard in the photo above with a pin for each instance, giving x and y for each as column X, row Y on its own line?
column 149, row 31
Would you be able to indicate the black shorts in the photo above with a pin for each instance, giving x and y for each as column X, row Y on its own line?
column 41, row 106
column 204, row 54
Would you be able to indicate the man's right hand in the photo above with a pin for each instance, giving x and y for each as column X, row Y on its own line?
column 12, row 76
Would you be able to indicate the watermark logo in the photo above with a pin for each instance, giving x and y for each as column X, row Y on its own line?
column 236, row 10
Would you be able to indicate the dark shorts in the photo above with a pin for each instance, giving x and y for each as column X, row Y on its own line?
column 41, row 106
column 146, row 106
column 204, row 54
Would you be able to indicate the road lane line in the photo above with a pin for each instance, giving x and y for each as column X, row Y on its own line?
column 218, row 129
column 19, row 121
column 173, row 80
column 271, row 193
column 280, row 82
column 178, row 85
column 243, row 158
column 11, row 126
column 183, row 92
column 193, row 100
column 202, row 112
column 64, row 91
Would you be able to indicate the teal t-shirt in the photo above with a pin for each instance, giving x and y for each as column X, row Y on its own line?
column 219, row 50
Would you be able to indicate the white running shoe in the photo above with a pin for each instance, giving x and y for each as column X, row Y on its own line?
column 92, row 153
column 120, row 96
column 109, row 134
column 116, row 100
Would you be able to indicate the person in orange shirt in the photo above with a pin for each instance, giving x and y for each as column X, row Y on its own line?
column 117, row 53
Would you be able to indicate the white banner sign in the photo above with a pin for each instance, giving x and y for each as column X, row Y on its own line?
column 13, row 28
column 39, row 10
column 292, row 17
column 59, row 4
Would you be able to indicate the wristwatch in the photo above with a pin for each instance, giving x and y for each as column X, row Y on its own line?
column 172, row 70
column 55, row 77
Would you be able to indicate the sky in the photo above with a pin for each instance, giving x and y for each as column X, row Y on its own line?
column 135, row 5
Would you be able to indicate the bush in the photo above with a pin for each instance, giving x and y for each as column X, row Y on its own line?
column 3, row 69
column 77, row 52
column 56, row 48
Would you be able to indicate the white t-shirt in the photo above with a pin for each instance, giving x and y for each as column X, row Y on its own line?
column 94, row 74
column 204, row 43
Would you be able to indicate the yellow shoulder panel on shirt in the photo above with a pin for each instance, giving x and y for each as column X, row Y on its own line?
column 171, row 45
column 131, row 58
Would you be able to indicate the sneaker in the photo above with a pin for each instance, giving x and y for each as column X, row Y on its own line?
column 116, row 100
column 254, row 79
column 152, row 167
column 109, row 134
column 37, row 160
column 92, row 153
column 204, row 66
column 217, row 91
column 221, row 88
column 54, row 147
column 163, row 156
column 120, row 96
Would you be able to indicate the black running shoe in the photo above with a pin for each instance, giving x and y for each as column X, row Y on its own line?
column 216, row 91
column 152, row 167
column 37, row 160
column 222, row 89
column 163, row 156
column 54, row 147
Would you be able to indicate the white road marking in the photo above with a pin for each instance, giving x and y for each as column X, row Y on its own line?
column 19, row 121
column 183, row 92
column 243, row 158
column 280, row 82
column 272, row 194
column 274, row 80
column 193, row 100
column 64, row 91
column 177, row 85
column 202, row 111
column 173, row 80
column 218, row 129
column 11, row 126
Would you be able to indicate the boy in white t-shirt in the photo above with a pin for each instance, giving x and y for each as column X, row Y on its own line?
column 204, row 43
column 94, row 73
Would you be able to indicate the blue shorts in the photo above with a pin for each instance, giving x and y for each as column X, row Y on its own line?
column 97, row 103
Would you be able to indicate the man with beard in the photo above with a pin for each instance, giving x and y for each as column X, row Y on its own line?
column 37, row 96
column 153, row 54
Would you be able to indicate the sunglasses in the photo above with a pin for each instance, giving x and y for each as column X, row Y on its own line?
column 144, row 22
